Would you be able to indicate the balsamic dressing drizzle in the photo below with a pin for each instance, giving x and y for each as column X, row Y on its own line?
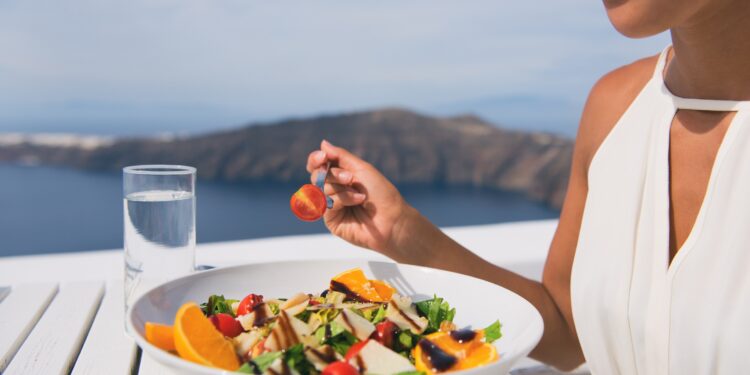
column 409, row 320
column 341, row 288
column 260, row 317
column 438, row 359
column 463, row 335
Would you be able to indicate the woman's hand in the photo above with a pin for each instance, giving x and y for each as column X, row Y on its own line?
column 368, row 210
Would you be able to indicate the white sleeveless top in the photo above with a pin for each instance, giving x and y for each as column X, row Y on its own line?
column 634, row 312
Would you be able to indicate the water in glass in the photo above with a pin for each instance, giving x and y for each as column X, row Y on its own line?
column 159, row 238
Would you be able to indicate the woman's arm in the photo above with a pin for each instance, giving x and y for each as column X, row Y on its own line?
column 425, row 244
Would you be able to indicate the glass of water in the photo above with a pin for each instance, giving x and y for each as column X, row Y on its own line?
column 159, row 215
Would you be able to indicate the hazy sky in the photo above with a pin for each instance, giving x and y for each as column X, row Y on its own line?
column 147, row 66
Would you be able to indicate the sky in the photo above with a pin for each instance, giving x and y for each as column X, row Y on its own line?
column 186, row 66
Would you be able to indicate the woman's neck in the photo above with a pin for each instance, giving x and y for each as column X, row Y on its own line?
column 712, row 54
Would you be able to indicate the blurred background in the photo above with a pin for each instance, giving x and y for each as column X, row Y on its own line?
column 470, row 107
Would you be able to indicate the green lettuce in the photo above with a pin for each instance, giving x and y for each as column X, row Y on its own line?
column 339, row 339
column 436, row 310
column 492, row 332
column 218, row 304
column 379, row 315
column 295, row 359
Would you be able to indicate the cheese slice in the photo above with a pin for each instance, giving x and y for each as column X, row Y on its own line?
column 402, row 312
column 287, row 332
column 360, row 327
column 374, row 358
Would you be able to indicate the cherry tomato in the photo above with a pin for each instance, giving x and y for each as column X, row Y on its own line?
column 308, row 203
column 339, row 368
column 354, row 350
column 247, row 304
column 384, row 333
column 226, row 324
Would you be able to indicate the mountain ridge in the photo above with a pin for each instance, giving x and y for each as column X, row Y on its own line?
column 408, row 147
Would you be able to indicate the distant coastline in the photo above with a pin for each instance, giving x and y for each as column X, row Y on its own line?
column 410, row 148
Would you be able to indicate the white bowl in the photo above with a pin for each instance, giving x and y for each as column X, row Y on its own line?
column 478, row 303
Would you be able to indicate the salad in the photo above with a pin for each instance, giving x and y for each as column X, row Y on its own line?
column 355, row 326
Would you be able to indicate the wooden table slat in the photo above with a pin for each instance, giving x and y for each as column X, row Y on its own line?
column 19, row 312
column 56, row 339
column 150, row 366
column 108, row 349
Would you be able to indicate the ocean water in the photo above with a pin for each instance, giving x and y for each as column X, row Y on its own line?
column 57, row 210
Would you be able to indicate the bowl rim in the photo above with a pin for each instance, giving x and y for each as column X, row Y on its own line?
column 177, row 362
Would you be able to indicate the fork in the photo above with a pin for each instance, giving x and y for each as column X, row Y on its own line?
column 320, row 181
column 392, row 276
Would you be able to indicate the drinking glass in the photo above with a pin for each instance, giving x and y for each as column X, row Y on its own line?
column 159, row 235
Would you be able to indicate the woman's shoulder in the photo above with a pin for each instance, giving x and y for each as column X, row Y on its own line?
column 608, row 99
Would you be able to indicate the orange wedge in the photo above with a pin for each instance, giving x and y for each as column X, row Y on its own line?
column 197, row 340
column 354, row 283
column 160, row 336
column 469, row 354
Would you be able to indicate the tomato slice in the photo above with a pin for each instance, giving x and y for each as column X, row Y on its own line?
column 308, row 203
column 354, row 350
column 339, row 368
column 385, row 333
column 248, row 303
column 226, row 324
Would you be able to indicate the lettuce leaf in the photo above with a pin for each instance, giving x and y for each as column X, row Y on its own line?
column 342, row 342
column 492, row 332
column 436, row 310
column 217, row 304
column 260, row 363
column 274, row 308
column 295, row 359
column 379, row 315
column 338, row 338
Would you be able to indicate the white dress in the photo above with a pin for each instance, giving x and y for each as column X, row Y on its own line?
column 634, row 312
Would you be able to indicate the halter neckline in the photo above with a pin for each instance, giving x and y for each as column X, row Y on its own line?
column 693, row 103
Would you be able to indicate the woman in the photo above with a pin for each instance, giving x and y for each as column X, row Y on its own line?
column 646, row 273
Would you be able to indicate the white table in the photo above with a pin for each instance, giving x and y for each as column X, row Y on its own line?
column 64, row 313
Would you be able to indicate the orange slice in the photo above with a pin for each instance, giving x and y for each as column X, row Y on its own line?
column 354, row 283
column 160, row 336
column 384, row 290
column 197, row 340
column 469, row 354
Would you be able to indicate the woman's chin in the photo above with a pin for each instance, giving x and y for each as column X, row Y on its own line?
column 630, row 23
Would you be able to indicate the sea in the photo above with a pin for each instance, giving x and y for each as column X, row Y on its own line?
column 58, row 210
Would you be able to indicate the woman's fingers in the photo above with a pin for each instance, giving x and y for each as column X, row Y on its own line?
column 335, row 176
column 341, row 156
column 340, row 176
column 344, row 196
column 315, row 160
